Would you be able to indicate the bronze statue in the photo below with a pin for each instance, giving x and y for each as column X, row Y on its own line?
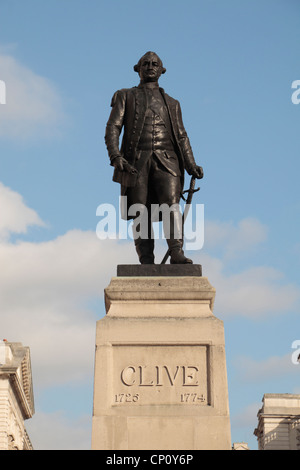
column 154, row 154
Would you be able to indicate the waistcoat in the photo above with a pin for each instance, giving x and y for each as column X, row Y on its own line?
column 155, row 135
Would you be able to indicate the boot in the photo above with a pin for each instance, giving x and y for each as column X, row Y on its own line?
column 144, row 246
column 145, row 249
column 177, row 253
column 175, row 244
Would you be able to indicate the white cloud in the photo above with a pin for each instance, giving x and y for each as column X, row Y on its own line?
column 15, row 216
column 56, row 431
column 235, row 239
column 243, row 424
column 252, row 291
column 273, row 367
column 33, row 105
column 247, row 417
column 45, row 290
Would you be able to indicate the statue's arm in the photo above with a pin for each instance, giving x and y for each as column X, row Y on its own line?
column 191, row 167
column 114, row 125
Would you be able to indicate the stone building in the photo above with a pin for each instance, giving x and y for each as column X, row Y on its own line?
column 16, row 396
column 240, row 446
column 279, row 422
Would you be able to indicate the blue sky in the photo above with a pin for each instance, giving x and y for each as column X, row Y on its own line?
column 231, row 65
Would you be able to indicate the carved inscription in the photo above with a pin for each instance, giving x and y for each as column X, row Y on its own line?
column 126, row 398
column 153, row 382
column 158, row 376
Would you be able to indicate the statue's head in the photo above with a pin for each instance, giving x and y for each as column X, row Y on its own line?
column 149, row 67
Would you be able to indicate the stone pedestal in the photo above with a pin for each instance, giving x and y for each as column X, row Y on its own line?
column 160, row 368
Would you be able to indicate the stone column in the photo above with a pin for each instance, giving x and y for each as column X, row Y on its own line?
column 160, row 368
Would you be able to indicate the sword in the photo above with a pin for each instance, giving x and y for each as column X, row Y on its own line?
column 188, row 201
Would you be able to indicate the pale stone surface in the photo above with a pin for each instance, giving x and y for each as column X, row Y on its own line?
column 160, row 368
column 279, row 422
column 240, row 446
column 16, row 396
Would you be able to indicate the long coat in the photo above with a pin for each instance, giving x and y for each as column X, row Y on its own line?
column 129, row 106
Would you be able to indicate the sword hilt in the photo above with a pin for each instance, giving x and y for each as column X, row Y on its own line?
column 190, row 191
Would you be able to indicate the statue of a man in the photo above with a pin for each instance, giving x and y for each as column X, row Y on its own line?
column 154, row 154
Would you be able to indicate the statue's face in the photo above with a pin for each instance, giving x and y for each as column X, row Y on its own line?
column 150, row 68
